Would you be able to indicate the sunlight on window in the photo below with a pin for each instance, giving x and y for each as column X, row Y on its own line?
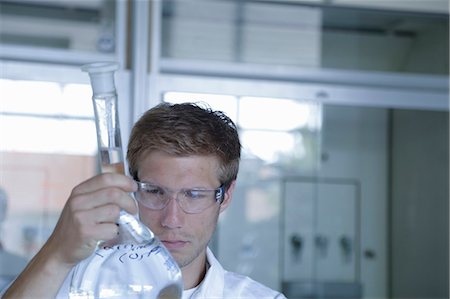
column 224, row 103
column 77, row 99
column 47, row 135
column 267, row 145
column 30, row 97
column 273, row 114
column 47, row 117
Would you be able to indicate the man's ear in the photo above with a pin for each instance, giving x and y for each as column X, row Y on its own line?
column 228, row 196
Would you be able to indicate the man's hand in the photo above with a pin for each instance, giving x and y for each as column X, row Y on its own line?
column 89, row 216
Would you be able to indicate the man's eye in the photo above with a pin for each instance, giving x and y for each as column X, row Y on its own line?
column 195, row 194
column 154, row 191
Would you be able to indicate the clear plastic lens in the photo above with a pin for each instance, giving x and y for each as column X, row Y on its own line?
column 199, row 195
column 190, row 200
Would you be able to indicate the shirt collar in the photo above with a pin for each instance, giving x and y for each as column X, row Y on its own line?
column 213, row 283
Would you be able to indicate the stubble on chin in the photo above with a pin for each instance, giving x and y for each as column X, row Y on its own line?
column 186, row 260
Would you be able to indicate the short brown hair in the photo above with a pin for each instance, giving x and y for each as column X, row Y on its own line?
column 183, row 130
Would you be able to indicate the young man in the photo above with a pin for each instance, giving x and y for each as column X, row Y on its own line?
column 174, row 151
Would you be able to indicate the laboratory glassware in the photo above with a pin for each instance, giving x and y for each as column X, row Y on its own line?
column 135, row 264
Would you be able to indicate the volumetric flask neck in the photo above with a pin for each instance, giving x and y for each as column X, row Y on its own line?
column 108, row 133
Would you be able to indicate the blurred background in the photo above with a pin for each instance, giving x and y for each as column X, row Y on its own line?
column 342, row 107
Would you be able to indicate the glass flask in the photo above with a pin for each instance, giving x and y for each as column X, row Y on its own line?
column 135, row 264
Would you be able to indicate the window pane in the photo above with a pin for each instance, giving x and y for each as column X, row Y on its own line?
column 47, row 135
column 77, row 100
column 265, row 145
column 330, row 36
column 72, row 25
column 291, row 151
column 46, row 98
column 277, row 114
column 48, row 146
column 30, row 97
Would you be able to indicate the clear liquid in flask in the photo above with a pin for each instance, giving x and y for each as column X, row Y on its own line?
column 111, row 160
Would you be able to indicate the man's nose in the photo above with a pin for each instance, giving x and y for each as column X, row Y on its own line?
column 172, row 214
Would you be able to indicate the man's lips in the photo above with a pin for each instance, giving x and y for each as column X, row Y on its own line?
column 174, row 244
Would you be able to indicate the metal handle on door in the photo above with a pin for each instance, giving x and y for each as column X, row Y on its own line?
column 296, row 245
column 346, row 247
column 321, row 242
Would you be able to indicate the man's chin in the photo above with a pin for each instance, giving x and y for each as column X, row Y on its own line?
column 182, row 262
column 177, row 256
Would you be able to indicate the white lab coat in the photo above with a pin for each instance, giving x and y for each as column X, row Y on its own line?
column 219, row 283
